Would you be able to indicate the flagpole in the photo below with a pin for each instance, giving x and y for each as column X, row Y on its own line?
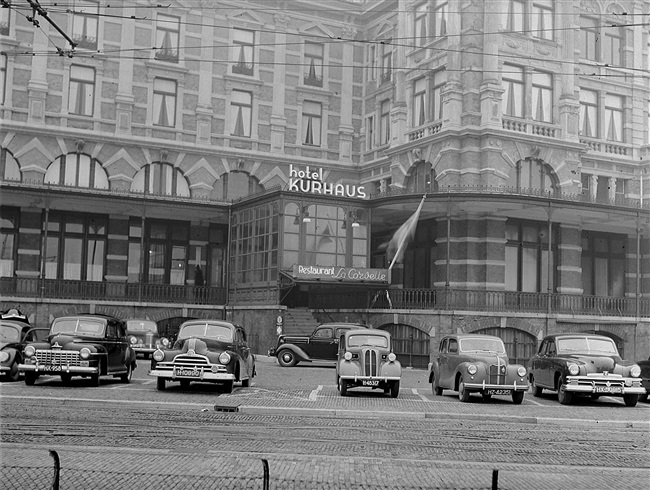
column 404, row 237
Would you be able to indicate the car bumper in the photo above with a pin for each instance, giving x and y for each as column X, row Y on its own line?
column 58, row 369
column 370, row 378
column 489, row 386
column 201, row 376
column 144, row 350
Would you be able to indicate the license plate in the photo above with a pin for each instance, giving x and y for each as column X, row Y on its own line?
column 51, row 367
column 181, row 372
column 608, row 389
column 497, row 392
column 370, row 382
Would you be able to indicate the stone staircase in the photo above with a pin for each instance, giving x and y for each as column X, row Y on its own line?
column 299, row 321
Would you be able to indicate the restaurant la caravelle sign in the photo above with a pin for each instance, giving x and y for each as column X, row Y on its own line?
column 312, row 182
column 340, row 274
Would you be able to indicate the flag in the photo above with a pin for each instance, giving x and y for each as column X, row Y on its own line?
column 404, row 235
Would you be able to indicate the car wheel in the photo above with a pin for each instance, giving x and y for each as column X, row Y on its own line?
column 146, row 355
column 517, row 397
column 563, row 396
column 486, row 396
column 643, row 398
column 435, row 389
column 343, row 386
column 66, row 378
column 630, row 400
column 594, row 396
column 394, row 389
column 160, row 384
column 227, row 387
column 537, row 390
column 30, row 379
column 95, row 380
column 286, row 358
column 126, row 377
column 463, row 394
column 246, row 382
column 185, row 383
column 14, row 374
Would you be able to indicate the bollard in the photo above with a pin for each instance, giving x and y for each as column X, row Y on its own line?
column 495, row 479
column 57, row 469
column 265, row 486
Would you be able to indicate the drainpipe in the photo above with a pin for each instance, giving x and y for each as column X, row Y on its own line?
column 227, row 266
column 549, row 279
column 448, row 251
column 143, row 255
column 44, row 243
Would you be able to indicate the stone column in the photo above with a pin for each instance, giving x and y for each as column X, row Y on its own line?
column 117, row 256
column 124, row 99
column 346, row 130
column 569, row 260
column 204, row 105
column 37, row 86
column 278, row 119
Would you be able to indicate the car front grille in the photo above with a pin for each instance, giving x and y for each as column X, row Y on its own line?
column 62, row 357
column 498, row 374
column 185, row 360
column 370, row 362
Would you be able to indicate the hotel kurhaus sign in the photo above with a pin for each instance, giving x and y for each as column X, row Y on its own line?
column 338, row 274
column 311, row 181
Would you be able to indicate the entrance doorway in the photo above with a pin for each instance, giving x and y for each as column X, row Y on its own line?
column 410, row 345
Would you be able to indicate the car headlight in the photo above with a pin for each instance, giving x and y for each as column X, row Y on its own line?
column 472, row 369
column 347, row 356
column 158, row 355
column 164, row 341
column 224, row 358
column 574, row 370
column 133, row 340
column 392, row 357
column 30, row 350
column 635, row 371
column 521, row 371
column 4, row 356
column 84, row 353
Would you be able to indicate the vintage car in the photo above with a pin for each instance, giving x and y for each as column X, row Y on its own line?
column 476, row 363
column 15, row 332
column 211, row 351
column 584, row 364
column 321, row 345
column 81, row 345
column 645, row 378
column 366, row 359
column 144, row 336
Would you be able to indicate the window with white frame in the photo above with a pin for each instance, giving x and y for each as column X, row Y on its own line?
column 314, row 64
column 5, row 18
column 421, row 21
column 84, row 24
column 164, row 102
column 3, row 77
column 513, row 96
column 514, row 16
column 438, row 81
column 602, row 41
column 161, row 178
column 241, row 113
column 589, row 113
column 542, row 25
column 384, row 123
column 614, row 118
column 370, row 132
column 372, row 62
column 386, row 60
column 312, row 117
column 167, row 38
column 78, row 170
column 419, row 101
column 439, row 18
column 613, row 45
column 542, row 97
column 589, row 38
column 244, row 51
column 81, row 95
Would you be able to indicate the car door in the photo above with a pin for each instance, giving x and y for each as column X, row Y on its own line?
column 322, row 344
column 442, row 363
column 243, row 350
column 543, row 372
column 116, row 345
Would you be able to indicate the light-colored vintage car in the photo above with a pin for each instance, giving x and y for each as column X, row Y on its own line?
column 575, row 364
column 209, row 351
column 476, row 363
column 366, row 359
column 144, row 336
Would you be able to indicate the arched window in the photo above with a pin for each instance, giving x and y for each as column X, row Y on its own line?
column 422, row 178
column 77, row 169
column 162, row 179
column 532, row 173
column 240, row 184
column 9, row 168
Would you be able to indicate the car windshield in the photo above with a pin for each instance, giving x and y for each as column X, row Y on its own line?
column 373, row 340
column 587, row 345
column 78, row 326
column 141, row 326
column 482, row 345
column 207, row 330
column 9, row 333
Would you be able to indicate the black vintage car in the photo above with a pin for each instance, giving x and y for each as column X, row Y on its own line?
column 144, row 336
column 210, row 351
column 645, row 378
column 82, row 345
column 321, row 345
column 15, row 332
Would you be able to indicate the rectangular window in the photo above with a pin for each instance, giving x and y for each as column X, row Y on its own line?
column 513, row 16
column 241, row 111
column 311, row 123
column 589, row 38
column 84, row 24
column 243, row 56
column 314, row 64
column 589, row 113
column 370, row 132
column 167, row 38
column 542, row 97
column 542, row 19
column 419, row 102
column 8, row 237
column 437, row 84
column 82, row 90
column 613, row 46
column 386, row 61
column 614, row 118
column 3, row 76
column 513, row 85
column 164, row 102
column 527, row 258
column 384, row 123
column 420, row 28
column 439, row 18
column 5, row 18
column 603, row 264
column 372, row 62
